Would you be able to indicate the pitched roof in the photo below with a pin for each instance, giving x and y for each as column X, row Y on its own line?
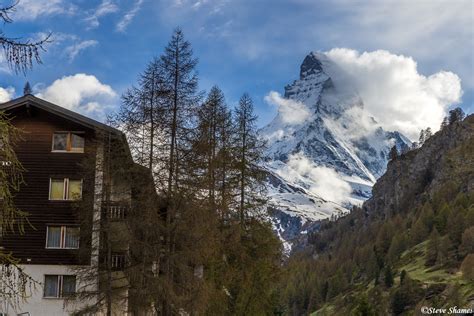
column 57, row 110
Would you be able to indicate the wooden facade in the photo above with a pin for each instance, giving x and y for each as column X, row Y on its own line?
column 38, row 121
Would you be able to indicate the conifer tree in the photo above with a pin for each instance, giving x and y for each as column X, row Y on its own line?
column 444, row 123
column 388, row 276
column 421, row 138
column 112, row 228
column 456, row 115
column 20, row 56
column 27, row 89
column 142, row 117
column 393, row 154
column 248, row 153
column 208, row 141
column 428, row 133
column 15, row 284
column 432, row 248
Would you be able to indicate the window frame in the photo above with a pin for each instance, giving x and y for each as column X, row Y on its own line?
column 60, row 286
column 118, row 261
column 62, row 240
column 68, row 142
column 65, row 189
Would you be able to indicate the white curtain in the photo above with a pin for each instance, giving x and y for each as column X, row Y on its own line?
column 69, row 285
column 51, row 286
column 72, row 237
column 54, row 237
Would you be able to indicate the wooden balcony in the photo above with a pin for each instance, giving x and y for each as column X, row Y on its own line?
column 117, row 211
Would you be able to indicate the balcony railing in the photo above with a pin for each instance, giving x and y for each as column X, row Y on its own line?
column 117, row 211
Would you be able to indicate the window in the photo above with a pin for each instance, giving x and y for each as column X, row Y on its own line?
column 62, row 237
column 65, row 189
column 68, row 142
column 118, row 261
column 59, row 285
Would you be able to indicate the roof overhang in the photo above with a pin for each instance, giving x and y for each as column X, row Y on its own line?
column 44, row 105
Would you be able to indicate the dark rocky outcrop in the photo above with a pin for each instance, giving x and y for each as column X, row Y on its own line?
column 412, row 178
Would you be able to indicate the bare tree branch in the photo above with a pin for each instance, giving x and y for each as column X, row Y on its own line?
column 20, row 54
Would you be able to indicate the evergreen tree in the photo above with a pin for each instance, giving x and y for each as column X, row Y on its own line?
column 421, row 138
column 400, row 300
column 467, row 267
column 388, row 276
column 456, row 115
column 444, row 249
column 363, row 307
column 27, row 89
column 393, row 154
column 403, row 275
column 432, row 248
column 468, row 240
column 444, row 123
column 428, row 133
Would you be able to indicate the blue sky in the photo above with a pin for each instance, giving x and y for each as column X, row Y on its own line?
column 252, row 46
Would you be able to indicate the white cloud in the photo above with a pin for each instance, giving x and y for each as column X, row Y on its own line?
column 395, row 93
column 6, row 94
column 106, row 7
column 290, row 111
column 81, row 93
column 73, row 50
column 33, row 9
column 129, row 16
column 325, row 182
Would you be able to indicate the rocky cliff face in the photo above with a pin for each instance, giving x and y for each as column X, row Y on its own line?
column 448, row 156
column 325, row 152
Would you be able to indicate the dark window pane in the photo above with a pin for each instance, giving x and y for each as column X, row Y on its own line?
column 69, row 285
column 60, row 141
column 77, row 143
column 54, row 237
column 51, row 286
column 75, row 190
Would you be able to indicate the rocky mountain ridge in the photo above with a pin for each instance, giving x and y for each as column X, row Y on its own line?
column 414, row 177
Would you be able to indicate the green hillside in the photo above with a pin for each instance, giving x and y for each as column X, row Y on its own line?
column 410, row 246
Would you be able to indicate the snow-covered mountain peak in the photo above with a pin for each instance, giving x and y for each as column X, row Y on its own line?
column 312, row 64
column 323, row 86
column 324, row 150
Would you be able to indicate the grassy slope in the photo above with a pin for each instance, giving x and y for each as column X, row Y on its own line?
column 412, row 261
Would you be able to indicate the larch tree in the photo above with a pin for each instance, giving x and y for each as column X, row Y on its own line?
column 248, row 155
column 180, row 76
column 143, row 118
column 14, row 283
column 19, row 54
column 158, row 118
